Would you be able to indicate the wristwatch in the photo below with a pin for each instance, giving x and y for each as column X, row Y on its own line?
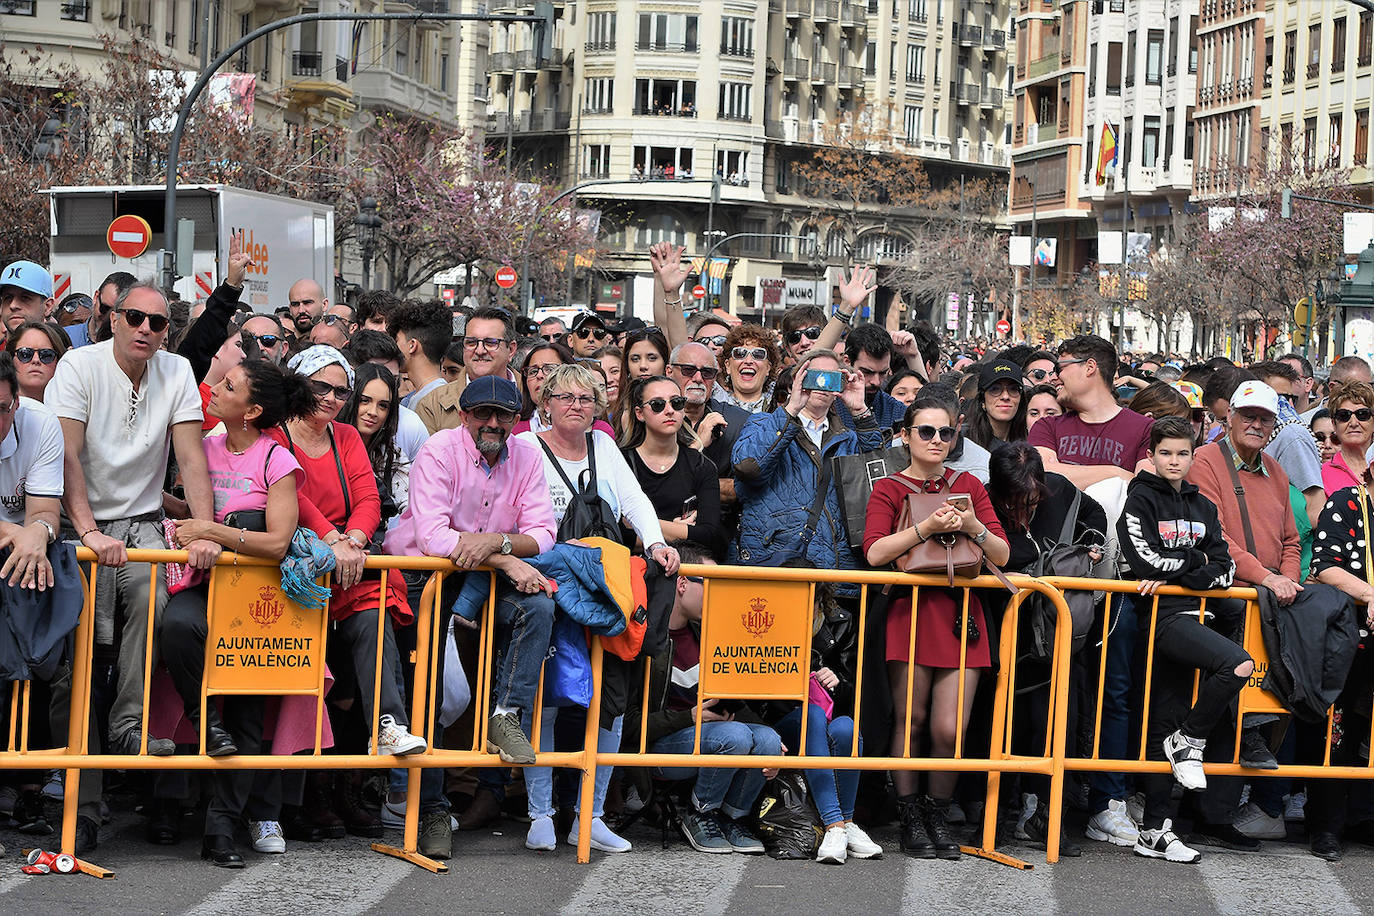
column 981, row 536
column 52, row 535
column 506, row 545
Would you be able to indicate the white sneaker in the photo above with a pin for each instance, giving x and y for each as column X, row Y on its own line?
column 834, row 845
column 1135, row 807
column 267, row 836
column 860, row 844
column 1295, row 807
column 55, row 787
column 1185, row 758
column 394, row 738
column 1165, row 844
column 1029, row 802
column 394, row 811
column 1113, row 825
column 1254, row 823
column 604, row 839
column 540, row 836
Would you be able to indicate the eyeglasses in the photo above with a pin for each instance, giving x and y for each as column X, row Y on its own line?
column 707, row 373
column 642, row 333
column 1039, row 375
column 47, row 356
column 599, row 333
column 78, row 301
column 135, row 318
column 541, row 371
column 491, row 343
column 552, row 338
column 324, row 389
column 568, row 399
column 755, row 353
column 715, row 340
column 927, row 432
column 1363, row 414
column 333, row 319
column 266, row 340
column 1264, row 418
column 658, row 405
column 1322, row 437
column 1059, row 366
column 794, row 336
column 486, row 412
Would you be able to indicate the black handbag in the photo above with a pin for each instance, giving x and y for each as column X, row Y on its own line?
column 587, row 515
column 854, row 479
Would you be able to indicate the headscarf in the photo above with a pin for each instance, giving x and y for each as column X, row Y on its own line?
column 313, row 359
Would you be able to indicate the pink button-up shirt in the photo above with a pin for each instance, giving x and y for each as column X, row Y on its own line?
column 452, row 490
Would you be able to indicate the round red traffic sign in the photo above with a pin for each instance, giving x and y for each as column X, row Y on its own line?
column 505, row 277
column 1004, row 327
column 698, row 292
column 128, row 236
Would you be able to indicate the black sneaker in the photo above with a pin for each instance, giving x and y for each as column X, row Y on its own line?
column 702, row 829
column 1224, row 835
column 1326, row 846
column 130, row 741
column 915, row 840
column 1038, row 831
column 87, row 835
column 1254, row 751
column 937, row 825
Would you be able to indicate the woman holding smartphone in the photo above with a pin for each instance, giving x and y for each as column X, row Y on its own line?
column 679, row 480
column 929, row 694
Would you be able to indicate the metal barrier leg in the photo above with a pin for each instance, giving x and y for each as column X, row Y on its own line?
column 78, row 724
column 590, row 749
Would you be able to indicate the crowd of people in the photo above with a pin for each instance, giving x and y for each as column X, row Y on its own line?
column 324, row 433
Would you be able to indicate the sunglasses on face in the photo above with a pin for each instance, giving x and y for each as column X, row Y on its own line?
column 333, row 319
column 47, row 356
column 324, row 389
column 598, row 333
column 927, row 432
column 486, row 413
column 1322, row 437
column 1039, row 375
column 1363, row 414
column 715, row 340
column 642, row 333
column 658, row 405
column 1059, row 366
column 551, row 338
column 754, row 353
column 135, row 318
column 794, row 336
column 491, row 343
column 77, row 302
column 267, row 341
column 707, row 373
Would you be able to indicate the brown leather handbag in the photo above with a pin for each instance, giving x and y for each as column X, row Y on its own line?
column 952, row 553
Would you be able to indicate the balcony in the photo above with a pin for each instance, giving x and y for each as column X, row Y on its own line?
column 502, row 62
column 969, row 36
column 1042, row 65
column 797, row 9
column 994, row 40
column 689, row 111
column 853, row 15
column 850, row 77
column 1314, row 70
column 526, row 60
column 991, row 98
column 601, row 47
column 315, row 81
column 823, row 73
column 796, row 68
column 669, row 47
column 825, row 11
column 964, row 93
column 549, row 120
column 737, row 53
column 381, row 88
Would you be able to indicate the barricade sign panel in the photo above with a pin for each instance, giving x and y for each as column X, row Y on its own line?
column 259, row 638
column 1253, row 698
column 755, row 639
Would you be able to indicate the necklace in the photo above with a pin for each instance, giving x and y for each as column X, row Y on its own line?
column 655, row 464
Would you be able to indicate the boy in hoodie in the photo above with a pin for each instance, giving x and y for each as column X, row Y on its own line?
column 1170, row 535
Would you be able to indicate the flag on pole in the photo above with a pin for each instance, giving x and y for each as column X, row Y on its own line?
column 1106, row 154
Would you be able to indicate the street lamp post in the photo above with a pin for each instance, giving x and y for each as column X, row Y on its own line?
column 368, row 224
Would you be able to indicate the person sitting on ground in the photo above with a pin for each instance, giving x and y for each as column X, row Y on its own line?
column 1170, row 535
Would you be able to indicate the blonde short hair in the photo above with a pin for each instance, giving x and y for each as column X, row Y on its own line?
column 574, row 375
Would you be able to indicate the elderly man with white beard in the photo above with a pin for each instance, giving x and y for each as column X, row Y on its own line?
column 693, row 366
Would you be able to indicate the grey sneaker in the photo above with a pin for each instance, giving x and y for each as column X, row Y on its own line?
column 703, row 831
column 740, row 840
column 506, row 738
column 436, row 837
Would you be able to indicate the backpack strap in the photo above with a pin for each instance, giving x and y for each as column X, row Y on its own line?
column 1240, row 494
column 553, row 460
column 1071, row 520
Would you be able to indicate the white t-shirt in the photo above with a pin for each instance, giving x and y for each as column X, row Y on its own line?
column 615, row 482
column 411, row 433
column 30, row 460
column 128, row 432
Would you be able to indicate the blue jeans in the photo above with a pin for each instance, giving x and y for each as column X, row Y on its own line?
column 731, row 790
column 1116, row 703
column 539, row 780
column 833, row 791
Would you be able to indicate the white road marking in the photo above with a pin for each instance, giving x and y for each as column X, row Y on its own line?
column 1248, row 883
column 972, row 885
column 308, row 879
column 622, row 884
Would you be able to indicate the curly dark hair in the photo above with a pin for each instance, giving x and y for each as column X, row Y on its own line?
column 752, row 335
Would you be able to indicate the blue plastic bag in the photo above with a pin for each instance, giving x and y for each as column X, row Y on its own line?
column 568, row 666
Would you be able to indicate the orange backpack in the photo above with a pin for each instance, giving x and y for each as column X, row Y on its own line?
column 625, row 580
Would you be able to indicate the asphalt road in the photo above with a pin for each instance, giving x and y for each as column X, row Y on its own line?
column 493, row 873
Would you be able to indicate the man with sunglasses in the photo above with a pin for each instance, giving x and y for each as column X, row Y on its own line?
column 330, row 330
column 1040, row 370
column 552, row 330
column 125, row 404
column 588, row 334
column 269, row 334
column 488, row 346
column 25, row 294
column 693, row 367
column 801, row 327
column 478, row 498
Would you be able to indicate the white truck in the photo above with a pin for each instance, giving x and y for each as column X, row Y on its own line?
column 288, row 238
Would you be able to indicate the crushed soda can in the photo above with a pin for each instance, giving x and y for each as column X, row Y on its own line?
column 59, row 862
column 35, row 869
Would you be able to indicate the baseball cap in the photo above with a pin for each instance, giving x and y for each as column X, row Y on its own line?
column 1255, row 394
column 28, row 276
column 490, row 391
column 999, row 370
column 1190, row 391
column 586, row 318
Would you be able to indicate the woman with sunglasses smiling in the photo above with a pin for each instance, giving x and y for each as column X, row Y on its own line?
column 928, row 432
column 661, row 450
column 37, row 346
column 750, row 360
column 1352, row 411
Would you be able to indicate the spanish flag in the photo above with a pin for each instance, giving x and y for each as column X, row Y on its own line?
column 1106, row 154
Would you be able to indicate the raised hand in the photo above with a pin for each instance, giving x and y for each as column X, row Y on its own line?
column 666, row 260
column 858, row 286
column 239, row 262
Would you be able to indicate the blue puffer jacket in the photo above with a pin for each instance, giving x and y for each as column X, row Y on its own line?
column 582, row 592
column 777, row 470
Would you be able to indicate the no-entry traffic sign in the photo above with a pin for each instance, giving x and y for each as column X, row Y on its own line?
column 128, row 236
column 698, row 292
column 505, row 277
column 1004, row 327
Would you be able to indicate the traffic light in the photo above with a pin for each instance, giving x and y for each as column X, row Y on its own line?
column 1301, row 318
